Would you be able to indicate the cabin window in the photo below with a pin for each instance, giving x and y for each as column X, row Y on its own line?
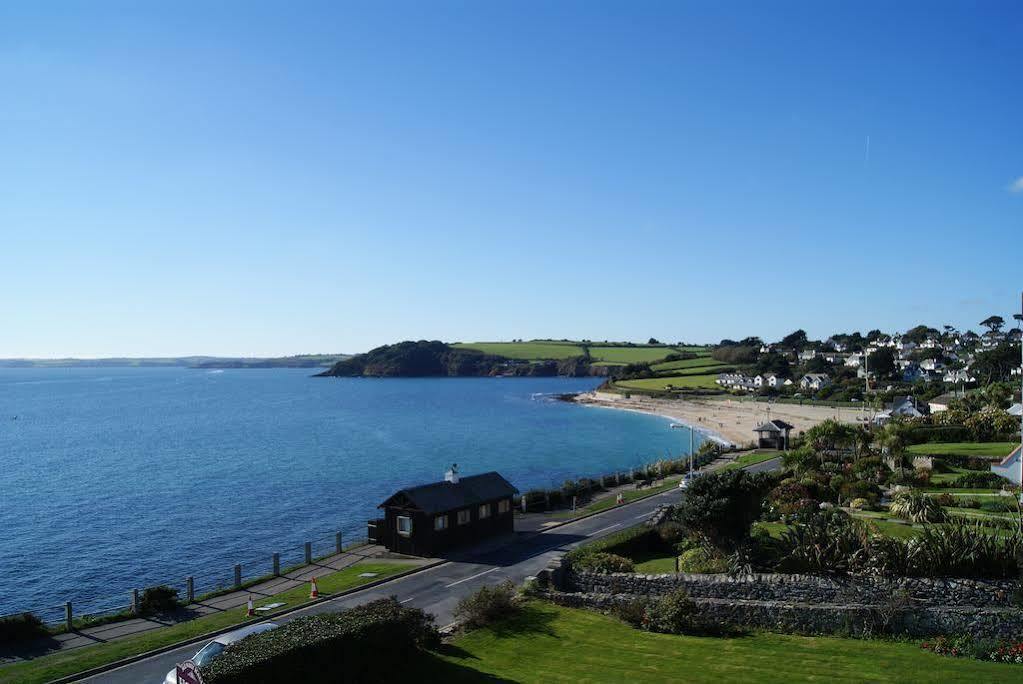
column 484, row 511
column 504, row 506
column 463, row 517
column 404, row 525
column 440, row 522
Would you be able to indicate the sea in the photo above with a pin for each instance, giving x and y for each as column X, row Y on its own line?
column 113, row 479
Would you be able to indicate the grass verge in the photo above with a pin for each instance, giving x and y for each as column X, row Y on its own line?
column 62, row 663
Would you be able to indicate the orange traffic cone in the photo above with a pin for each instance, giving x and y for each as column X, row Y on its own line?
column 251, row 610
column 313, row 591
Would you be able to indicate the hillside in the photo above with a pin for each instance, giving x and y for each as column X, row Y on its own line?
column 437, row 359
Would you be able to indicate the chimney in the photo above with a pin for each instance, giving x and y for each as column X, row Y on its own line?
column 452, row 475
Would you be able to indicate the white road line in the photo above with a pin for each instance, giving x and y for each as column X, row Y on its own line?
column 471, row 578
column 645, row 515
column 609, row 527
column 407, row 600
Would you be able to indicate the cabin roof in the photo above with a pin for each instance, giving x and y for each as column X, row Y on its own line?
column 444, row 496
column 773, row 426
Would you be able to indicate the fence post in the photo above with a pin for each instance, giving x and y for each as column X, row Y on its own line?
column 134, row 601
column 338, row 546
column 308, row 553
column 237, row 576
column 676, row 564
column 190, row 589
column 277, row 565
column 68, row 617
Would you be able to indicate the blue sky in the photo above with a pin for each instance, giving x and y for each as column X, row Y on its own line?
column 273, row 178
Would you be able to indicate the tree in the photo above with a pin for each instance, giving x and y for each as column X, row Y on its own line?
column 723, row 506
column 882, row 363
column 652, row 340
column 795, row 340
column 995, row 364
column 993, row 323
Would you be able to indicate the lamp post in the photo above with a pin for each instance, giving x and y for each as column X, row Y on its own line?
column 678, row 426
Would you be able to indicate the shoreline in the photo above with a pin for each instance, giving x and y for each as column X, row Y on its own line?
column 727, row 421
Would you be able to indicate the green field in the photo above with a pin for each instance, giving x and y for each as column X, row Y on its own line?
column 758, row 456
column 698, row 362
column 526, row 351
column 981, row 449
column 62, row 663
column 678, row 381
column 618, row 355
column 547, row 643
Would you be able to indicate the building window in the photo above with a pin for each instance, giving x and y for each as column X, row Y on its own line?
column 404, row 525
column 463, row 517
column 484, row 511
column 440, row 522
column 504, row 506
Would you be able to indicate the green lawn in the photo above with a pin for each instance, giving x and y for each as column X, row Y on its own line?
column 548, row 643
column 981, row 449
column 630, row 354
column 526, row 351
column 698, row 362
column 653, row 562
column 758, row 456
column 60, row 664
column 628, row 495
column 679, row 381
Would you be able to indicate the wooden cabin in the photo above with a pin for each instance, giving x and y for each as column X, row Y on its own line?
column 774, row 434
column 432, row 518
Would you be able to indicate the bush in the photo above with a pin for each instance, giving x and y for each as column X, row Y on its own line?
column 601, row 561
column 917, row 507
column 823, row 542
column 859, row 504
column 702, row 560
column 677, row 614
column 638, row 538
column 671, row 533
column 24, row 627
column 487, row 605
column 979, row 481
column 633, row 612
column 159, row 599
column 371, row 642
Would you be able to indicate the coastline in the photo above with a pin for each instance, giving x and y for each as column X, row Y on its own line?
column 727, row 421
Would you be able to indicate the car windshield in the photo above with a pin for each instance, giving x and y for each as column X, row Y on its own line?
column 207, row 653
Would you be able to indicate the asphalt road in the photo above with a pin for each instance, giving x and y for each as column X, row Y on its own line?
column 437, row 590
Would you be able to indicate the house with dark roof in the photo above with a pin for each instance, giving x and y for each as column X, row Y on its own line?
column 430, row 519
column 774, row 434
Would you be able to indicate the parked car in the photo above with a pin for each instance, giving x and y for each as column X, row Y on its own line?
column 208, row 653
column 688, row 477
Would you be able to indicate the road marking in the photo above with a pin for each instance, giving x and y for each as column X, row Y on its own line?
column 645, row 515
column 609, row 527
column 407, row 600
column 471, row 578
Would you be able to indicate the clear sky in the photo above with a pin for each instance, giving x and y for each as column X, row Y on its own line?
column 246, row 178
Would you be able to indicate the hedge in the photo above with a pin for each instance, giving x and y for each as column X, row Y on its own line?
column 638, row 538
column 23, row 627
column 372, row 642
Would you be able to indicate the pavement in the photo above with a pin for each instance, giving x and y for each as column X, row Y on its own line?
column 438, row 589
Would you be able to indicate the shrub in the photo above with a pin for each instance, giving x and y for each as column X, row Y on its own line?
column 859, row 504
column 671, row 533
column 373, row 641
column 702, row 560
column 23, row 627
column 487, row 605
column 601, row 561
column 638, row 538
column 945, row 499
column 633, row 612
column 917, row 507
column 825, row 542
column 677, row 614
column 979, row 481
column 159, row 599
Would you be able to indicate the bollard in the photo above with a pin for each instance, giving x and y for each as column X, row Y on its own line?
column 338, row 546
column 237, row 576
column 277, row 565
column 134, row 601
column 308, row 553
column 68, row 618
column 190, row 589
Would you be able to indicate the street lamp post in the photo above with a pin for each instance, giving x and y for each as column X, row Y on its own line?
column 678, row 426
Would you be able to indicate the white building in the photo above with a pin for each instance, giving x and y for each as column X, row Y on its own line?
column 814, row 381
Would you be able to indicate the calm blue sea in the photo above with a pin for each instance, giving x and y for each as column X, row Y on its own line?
column 118, row 478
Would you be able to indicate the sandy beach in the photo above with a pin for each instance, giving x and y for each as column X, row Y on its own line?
column 726, row 420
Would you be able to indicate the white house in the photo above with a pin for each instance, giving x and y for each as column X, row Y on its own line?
column 931, row 364
column 814, row 381
column 942, row 402
column 1016, row 410
column 1009, row 468
column 808, row 355
column 957, row 376
column 854, row 360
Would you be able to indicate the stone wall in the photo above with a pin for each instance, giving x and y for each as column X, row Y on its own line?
column 853, row 619
column 920, row 591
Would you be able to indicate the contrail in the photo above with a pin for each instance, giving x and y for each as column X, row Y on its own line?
column 867, row 160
